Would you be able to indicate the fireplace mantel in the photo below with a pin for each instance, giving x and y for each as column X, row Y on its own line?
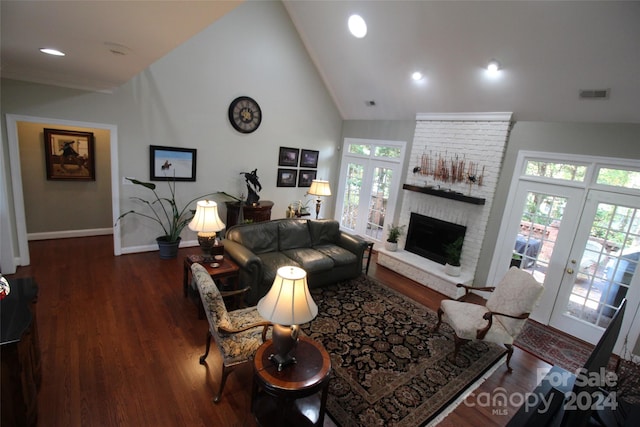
column 445, row 194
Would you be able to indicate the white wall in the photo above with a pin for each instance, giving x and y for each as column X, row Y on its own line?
column 182, row 101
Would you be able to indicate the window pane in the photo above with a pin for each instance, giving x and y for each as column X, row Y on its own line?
column 351, row 200
column 619, row 178
column 562, row 171
column 382, row 151
column 360, row 149
column 379, row 196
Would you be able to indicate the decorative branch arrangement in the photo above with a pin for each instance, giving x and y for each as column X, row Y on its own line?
column 452, row 169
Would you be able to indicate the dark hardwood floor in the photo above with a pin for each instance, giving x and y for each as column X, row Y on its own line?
column 120, row 344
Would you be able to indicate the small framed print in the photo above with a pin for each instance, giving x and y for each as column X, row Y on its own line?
column 309, row 158
column 288, row 156
column 69, row 155
column 287, row 177
column 171, row 163
column 305, row 177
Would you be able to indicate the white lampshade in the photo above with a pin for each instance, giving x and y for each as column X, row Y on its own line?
column 288, row 302
column 206, row 218
column 319, row 187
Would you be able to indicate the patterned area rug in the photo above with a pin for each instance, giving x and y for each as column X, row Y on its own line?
column 389, row 369
column 552, row 347
column 571, row 354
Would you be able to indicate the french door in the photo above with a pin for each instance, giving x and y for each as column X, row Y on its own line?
column 600, row 270
column 369, row 185
column 579, row 236
column 541, row 235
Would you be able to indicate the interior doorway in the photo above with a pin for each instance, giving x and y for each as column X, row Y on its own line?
column 17, row 224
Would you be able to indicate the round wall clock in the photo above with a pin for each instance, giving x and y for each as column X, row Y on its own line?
column 245, row 114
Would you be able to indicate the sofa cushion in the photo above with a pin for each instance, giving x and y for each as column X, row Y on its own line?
column 258, row 238
column 339, row 255
column 310, row 260
column 293, row 234
column 324, row 231
column 271, row 262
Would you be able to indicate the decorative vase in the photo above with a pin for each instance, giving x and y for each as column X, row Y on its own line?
column 391, row 246
column 168, row 250
column 452, row 270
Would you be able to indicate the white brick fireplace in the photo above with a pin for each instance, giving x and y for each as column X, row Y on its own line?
column 479, row 138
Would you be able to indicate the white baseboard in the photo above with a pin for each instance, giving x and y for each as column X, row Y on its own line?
column 69, row 234
column 154, row 247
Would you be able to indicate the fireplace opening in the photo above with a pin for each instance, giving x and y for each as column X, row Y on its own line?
column 428, row 236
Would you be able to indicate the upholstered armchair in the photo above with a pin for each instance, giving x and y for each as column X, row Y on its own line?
column 501, row 319
column 238, row 333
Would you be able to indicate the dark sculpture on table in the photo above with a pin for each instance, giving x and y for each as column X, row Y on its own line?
column 253, row 186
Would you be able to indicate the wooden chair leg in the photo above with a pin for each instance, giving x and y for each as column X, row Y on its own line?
column 440, row 313
column 509, row 354
column 206, row 352
column 226, row 370
column 458, row 342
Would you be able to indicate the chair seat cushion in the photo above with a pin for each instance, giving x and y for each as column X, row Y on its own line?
column 466, row 319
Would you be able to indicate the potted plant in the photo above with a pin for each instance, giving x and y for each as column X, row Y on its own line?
column 395, row 231
column 516, row 260
column 453, row 251
column 165, row 211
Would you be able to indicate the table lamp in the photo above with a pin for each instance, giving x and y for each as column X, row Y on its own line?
column 207, row 223
column 319, row 188
column 287, row 304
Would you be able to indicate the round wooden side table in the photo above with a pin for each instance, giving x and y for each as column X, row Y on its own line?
column 295, row 396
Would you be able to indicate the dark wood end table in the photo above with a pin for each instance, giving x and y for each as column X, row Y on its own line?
column 227, row 275
column 295, row 396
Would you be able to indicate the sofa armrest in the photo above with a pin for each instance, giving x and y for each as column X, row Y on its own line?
column 251, row 269
column 353, row 243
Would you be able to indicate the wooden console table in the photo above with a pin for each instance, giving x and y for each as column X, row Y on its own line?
column 258, row 213
column 226, row 277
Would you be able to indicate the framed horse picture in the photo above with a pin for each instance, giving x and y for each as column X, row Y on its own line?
column 172, row 163
column 69, row 155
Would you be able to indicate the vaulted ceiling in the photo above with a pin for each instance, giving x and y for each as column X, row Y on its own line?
column 548, row 51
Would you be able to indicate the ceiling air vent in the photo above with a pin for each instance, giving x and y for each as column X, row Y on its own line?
column 594, row 93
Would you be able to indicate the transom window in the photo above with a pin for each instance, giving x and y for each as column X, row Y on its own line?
column 564, row 171
column 619, row 178
column 582, row 173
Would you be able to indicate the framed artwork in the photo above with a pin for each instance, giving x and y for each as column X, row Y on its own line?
column 169, row 163
column 287, row 177
column 288, row 156
column 305, row 177
column 309, row 158
column 69, row 155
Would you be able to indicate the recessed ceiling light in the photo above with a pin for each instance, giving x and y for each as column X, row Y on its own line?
column 357, row 26
column 493, row 67
column 50, row 51
column 417, row 75
column 117, row 48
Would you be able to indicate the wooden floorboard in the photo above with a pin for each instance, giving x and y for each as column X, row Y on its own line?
column 120, row 344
